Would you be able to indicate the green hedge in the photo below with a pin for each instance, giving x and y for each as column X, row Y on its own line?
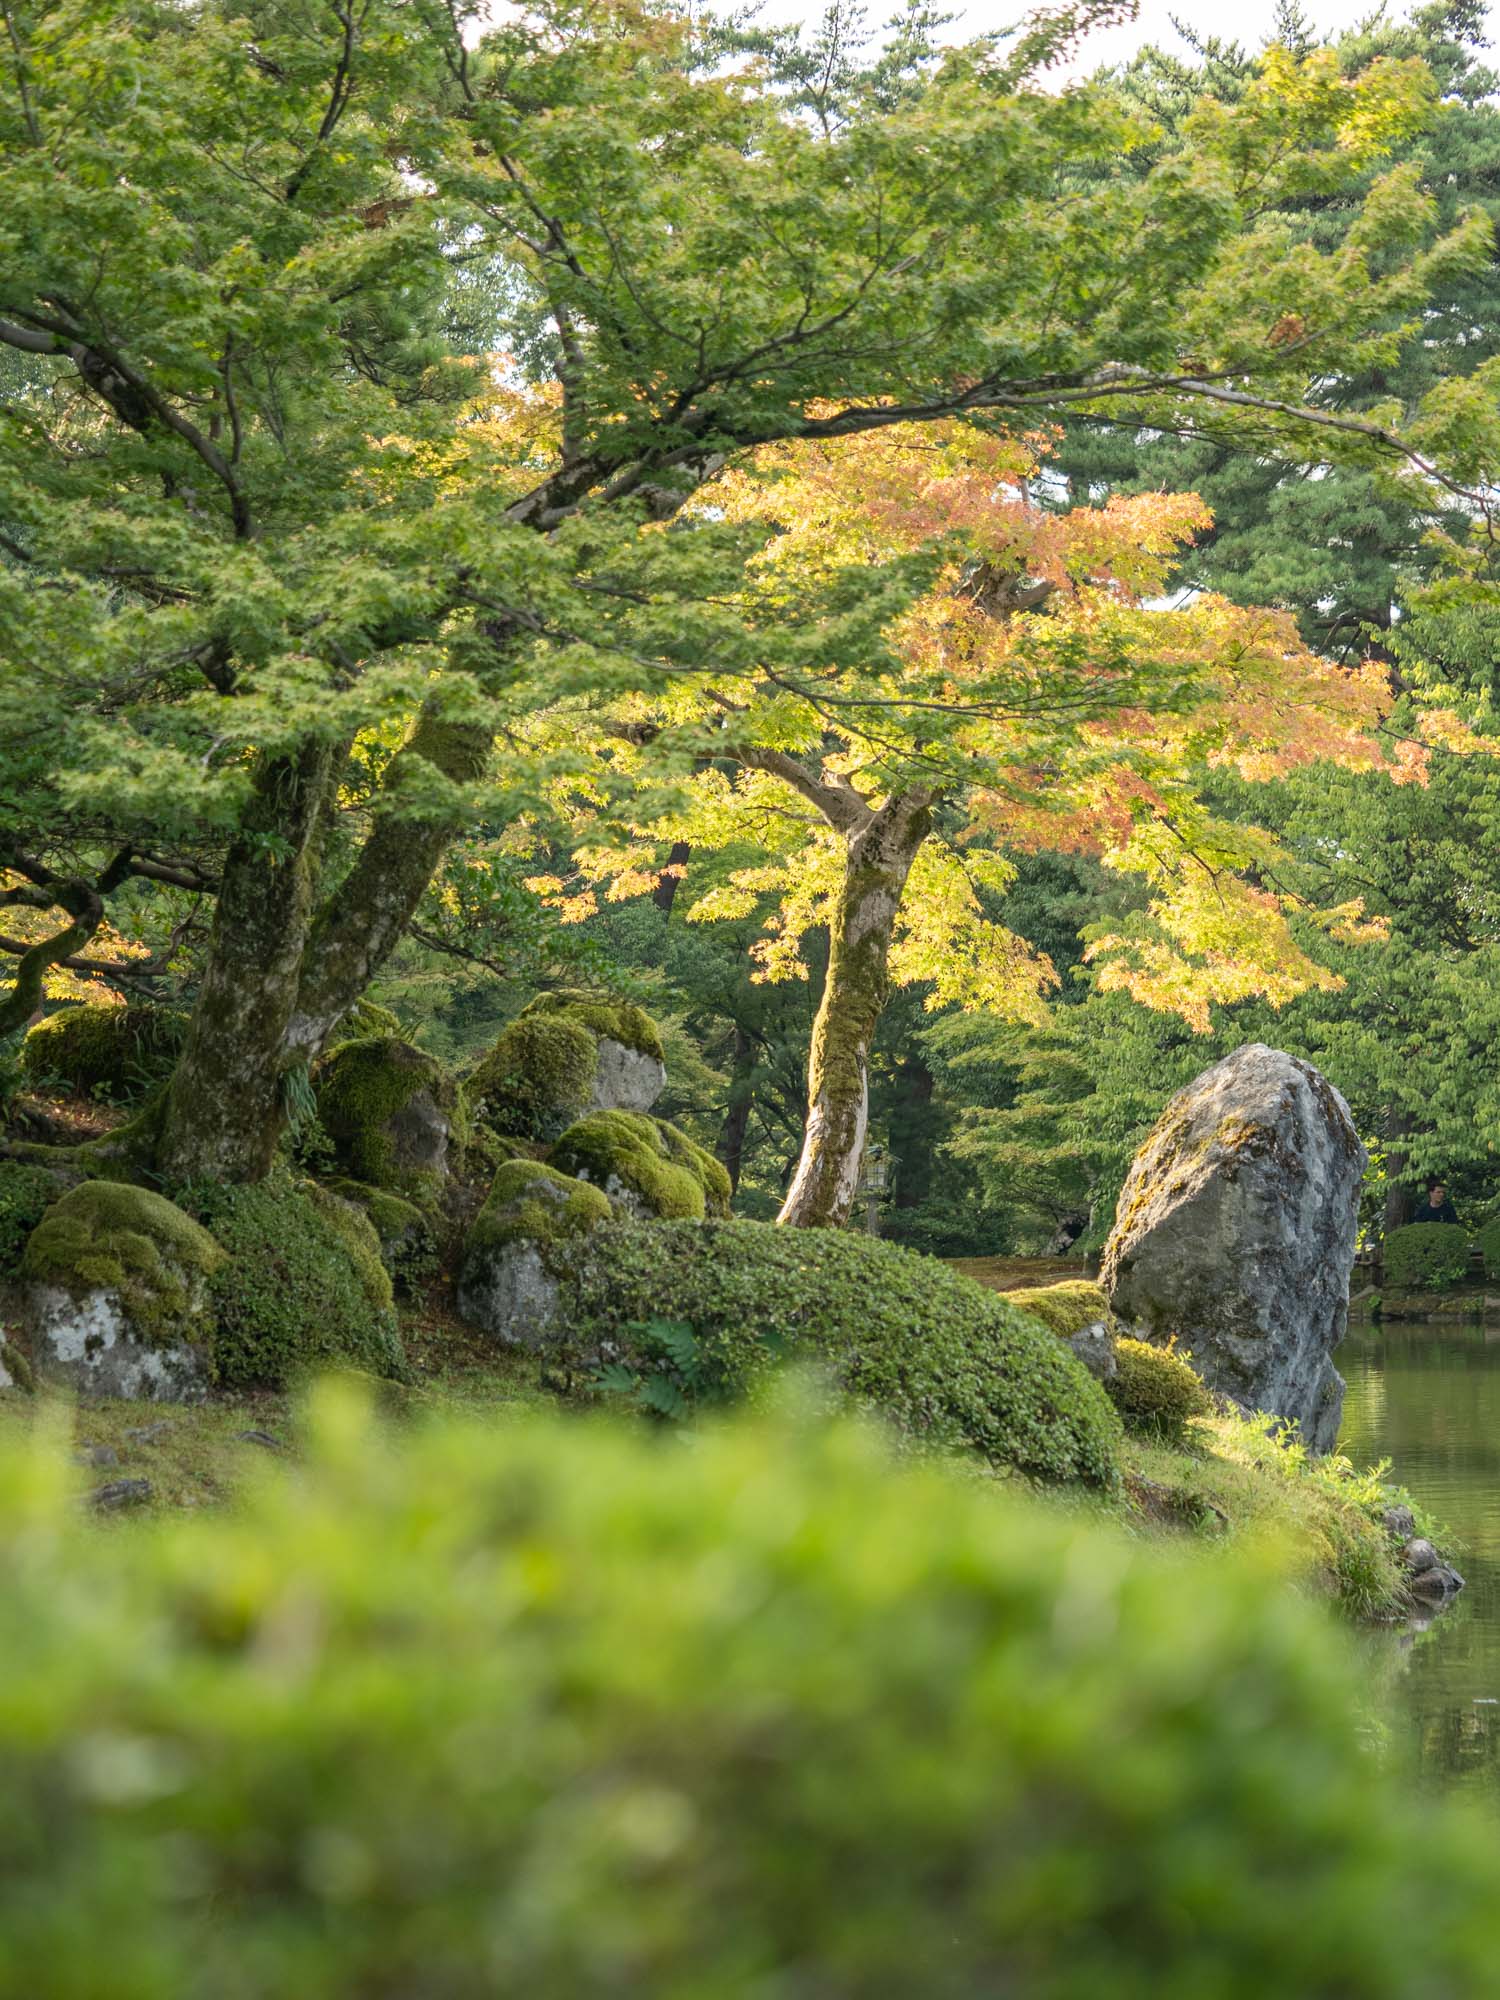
column 1426, row 1257
column 304, row 1285
column 1488, row 1242
column 946, row 1360
column 24, row 1193
column 768, row 1719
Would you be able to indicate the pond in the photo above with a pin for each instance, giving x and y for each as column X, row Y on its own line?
column 1426, row 1395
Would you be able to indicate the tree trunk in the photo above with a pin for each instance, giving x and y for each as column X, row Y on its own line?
column 664, row 895
column 281, row 972
column 731, row 1147
column 1398, row 1126
column 879, row 858
column 223, row 1113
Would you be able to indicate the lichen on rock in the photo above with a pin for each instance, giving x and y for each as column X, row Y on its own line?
column 508, row 1282
column 118, row 1287
column 646, row 1167
column 566, row 1054
column 393, row 1114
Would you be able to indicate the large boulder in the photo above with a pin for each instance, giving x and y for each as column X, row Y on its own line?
column 564, row 1056
column 118, row 1301
column 396, row 1118
column 1235, row 1233
column 510, row 1279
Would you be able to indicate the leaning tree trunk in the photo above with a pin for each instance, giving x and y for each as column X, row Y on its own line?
column 879, row 858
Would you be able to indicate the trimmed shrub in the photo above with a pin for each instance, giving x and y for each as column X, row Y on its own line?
column 1155, row 1389
column 659, row 1170
column 1064, row 1309
column 24, row 1193
column 1426, row 1257
column 948, row 1362
column 303, row 1285
column 1488, row 1241
column 119, row 1052
column 393, row 1115
column 580, row 1718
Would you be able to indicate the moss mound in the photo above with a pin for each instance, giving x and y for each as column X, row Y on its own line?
column 1155, row 1389
column 408, row 1240
column 109, row 1236
column 1426, row 1257
column 540, row 1073
column 303, row 1284
column 533, row 1203
column 1064, row 1309
column 119, row 1052
column 393, row 1115
column 25, row 1192
column 667, row 1175
column 364, row 1022
column 948, row 1362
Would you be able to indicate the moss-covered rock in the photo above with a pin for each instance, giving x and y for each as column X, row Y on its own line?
column 393, row 1115
column 119, row 1293
column 408, row 1240
column 1155, row 1389
column 117, row 1052
column 365, row 1020
column 945, row 1360
column 509, row 1278
column 646, row 1167
column 302, row 1286
column 1064, row 1309
column 567, row 1054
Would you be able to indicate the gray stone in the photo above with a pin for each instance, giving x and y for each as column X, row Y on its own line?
column 97, row 1455
column 1419, row 1555
column 119, row 1494
column 507, row 1291
column 1400, row 1522
column 1439, row 1581
column 626, row 1079
column 1235, row 1232
column 263, row 1438
column 89, row 1343
column 1094, row 1346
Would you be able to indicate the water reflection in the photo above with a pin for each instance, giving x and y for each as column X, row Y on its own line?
column 1426, row 1394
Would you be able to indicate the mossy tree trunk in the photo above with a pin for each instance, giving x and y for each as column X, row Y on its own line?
column 880, row 848
column 286, row 962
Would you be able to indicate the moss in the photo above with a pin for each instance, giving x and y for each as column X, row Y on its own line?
column 1155, row 1389
column 25, row 1192
column 363, row 1022
column 408, row 1245
column 367, row 1094
column 710, row 1173
column 1063, row 1309
column 665, row 1173
column 540, row 1073
column 109, row 1236
column 946, row 1361
column 536, row 1078
column 118, row 1052
column 607, row 1020
column 533, row 1203
column 303, row 1284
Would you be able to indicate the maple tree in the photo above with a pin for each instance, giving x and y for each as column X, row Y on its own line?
column 1027, row 696
column 275, row 580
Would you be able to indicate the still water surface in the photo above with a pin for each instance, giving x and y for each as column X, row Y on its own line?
column 1426, row 1395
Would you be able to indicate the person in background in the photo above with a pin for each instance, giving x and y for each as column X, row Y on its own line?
column 1437, row 1207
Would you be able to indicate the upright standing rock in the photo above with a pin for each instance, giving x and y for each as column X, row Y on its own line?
column 1235, row 1232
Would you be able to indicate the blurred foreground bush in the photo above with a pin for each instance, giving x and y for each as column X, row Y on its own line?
column 560, row 1711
